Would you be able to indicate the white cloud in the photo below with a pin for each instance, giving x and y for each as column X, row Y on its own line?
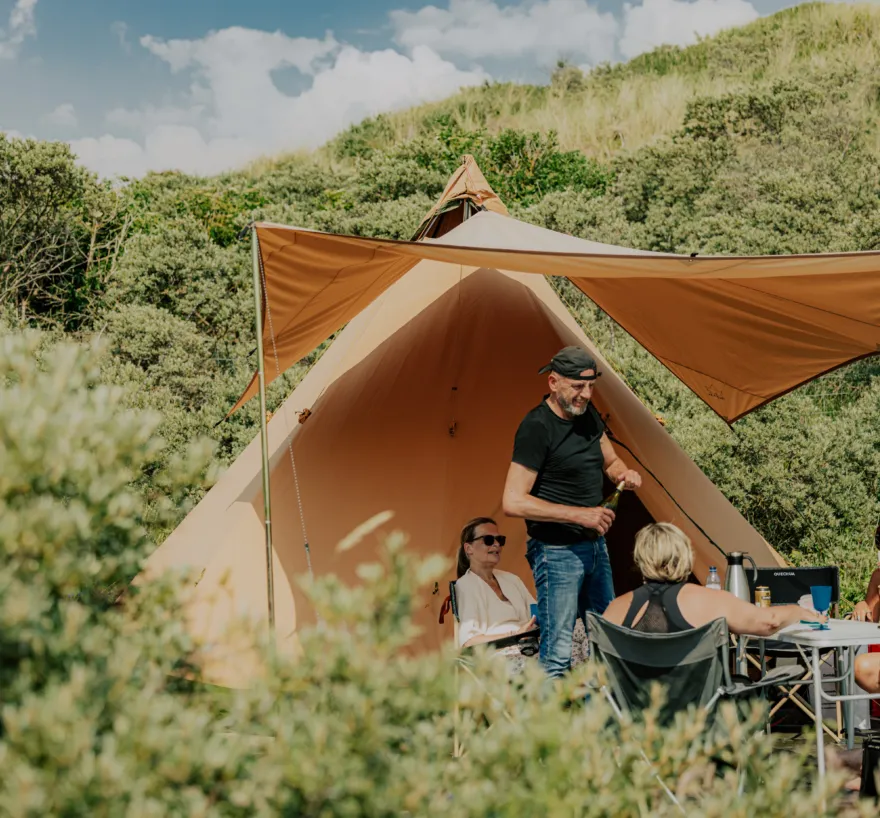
column 676, row 22
column 64, row 116
column 167, row 147
column 541, row 31
column 120, row 31
column 146, row 118
column 223, row 53
column 21, row 26
column 234, row 112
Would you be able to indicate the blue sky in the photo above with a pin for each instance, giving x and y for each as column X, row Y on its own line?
column 206, row 85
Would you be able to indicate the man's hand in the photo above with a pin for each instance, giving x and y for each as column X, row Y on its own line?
column 862, row 612
column 631, row 479
column 599, row 519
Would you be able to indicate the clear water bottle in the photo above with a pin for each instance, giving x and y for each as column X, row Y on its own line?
column 713, row 581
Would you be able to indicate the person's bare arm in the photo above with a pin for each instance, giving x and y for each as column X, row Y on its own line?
column 617, row 608
column 864, row 611
column 743, row 617
column 873, row 595
column 483, row 638
column 616, row 469
column 518, row 502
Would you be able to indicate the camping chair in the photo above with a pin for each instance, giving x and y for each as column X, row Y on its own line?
column 693, row 665
column 450, row 604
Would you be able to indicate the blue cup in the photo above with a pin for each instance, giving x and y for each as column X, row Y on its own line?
column 821, row 599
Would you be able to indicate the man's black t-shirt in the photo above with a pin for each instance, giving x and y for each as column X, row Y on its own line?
column 567, row 455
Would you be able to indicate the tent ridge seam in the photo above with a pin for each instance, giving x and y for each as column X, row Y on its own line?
column 636, row 254
column 736, row 283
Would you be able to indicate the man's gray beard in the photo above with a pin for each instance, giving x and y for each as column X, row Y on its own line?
column 570, row 409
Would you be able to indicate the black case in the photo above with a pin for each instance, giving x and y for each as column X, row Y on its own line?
column 870, row 764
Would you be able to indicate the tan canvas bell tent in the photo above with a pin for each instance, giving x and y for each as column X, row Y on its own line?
column 413, row 408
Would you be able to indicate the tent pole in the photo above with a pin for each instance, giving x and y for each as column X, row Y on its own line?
column 264, row 432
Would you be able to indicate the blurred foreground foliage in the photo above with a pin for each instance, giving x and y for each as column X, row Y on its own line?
column 102, row 714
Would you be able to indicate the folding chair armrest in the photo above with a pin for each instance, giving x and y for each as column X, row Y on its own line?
column 508, row 641
column 777, row 676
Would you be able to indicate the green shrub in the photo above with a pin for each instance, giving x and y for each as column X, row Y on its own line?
column 397, row 219
column 776, row 153
column 59, row 232
column 102, row 713
column 178, row 268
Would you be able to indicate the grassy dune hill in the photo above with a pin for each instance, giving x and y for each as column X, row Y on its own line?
column 630, row 105
column 761, row 140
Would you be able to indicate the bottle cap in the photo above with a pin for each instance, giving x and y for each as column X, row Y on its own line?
column 712, row 568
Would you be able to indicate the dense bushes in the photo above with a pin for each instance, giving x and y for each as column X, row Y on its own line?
column 99, row 712
column 102, row 714
column 59, row 232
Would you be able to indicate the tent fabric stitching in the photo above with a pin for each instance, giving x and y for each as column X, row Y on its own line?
column 406, row 245
column 737, row 283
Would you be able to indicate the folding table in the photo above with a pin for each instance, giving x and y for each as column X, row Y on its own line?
column 843, row 636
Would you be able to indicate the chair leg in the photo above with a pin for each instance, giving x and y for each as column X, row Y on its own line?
column 795, row 698
column 456, row 710
column 619, row 713
column 792, row 695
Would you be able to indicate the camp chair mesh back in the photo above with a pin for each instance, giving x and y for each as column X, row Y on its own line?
column 692, row 665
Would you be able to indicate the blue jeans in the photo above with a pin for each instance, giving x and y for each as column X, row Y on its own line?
column 570, row 580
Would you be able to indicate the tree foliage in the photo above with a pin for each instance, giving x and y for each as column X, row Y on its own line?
column 144, row 296
column 60, row 232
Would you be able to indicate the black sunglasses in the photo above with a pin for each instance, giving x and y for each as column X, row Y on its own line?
column 491, row 539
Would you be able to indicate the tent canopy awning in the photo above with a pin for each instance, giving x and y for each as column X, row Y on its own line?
column 739, row 331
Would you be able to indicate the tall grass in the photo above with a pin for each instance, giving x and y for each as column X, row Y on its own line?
column 629, row 105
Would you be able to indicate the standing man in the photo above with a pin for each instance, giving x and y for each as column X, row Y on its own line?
column 555, row 483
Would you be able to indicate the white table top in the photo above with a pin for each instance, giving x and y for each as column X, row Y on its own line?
column 842, row 633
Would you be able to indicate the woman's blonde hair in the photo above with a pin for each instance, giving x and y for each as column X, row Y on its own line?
column 663, row 553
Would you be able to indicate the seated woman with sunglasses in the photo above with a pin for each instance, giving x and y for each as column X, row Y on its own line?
column 491, row 603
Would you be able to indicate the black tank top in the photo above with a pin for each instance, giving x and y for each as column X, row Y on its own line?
column 662, row 614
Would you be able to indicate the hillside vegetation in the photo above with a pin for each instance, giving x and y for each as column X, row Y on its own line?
column 760, row 140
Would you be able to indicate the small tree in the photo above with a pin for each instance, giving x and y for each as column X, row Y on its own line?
column 59, row 229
